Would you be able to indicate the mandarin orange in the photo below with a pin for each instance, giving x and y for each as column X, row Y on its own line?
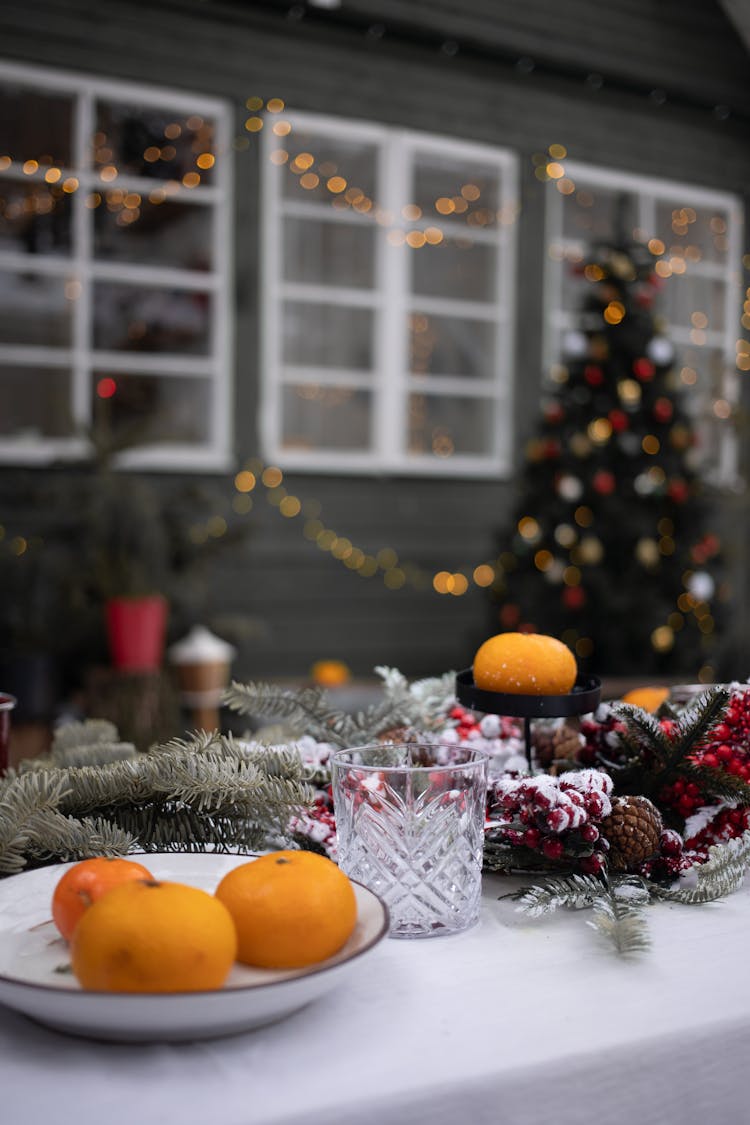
column 85, row 883
column 290, row 908
column 525, row 664
column 150, row 936
column 647, row 698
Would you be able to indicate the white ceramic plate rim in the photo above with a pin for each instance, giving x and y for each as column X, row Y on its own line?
column 372, row 927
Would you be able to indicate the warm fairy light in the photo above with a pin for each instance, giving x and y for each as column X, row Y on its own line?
column 30, row 166
column 254, row 124
column 600, row 430
column 614, row 312
column 272, row 476
column 245, row 481
column 722, row 409
column 651, row 444
column 309, row 181
column 5, row 162
column 555, row 170
column 416, row 239
column 592, row 272
column 205, row 160
column 254, row 103
column 629, row 391
column 191, row 179
column 302, row 162
column 282, row 128
column 433, row 236
column 386, row 558
column 279, row 156
column 663, row 269
column 411, row 212
column 572, row 576
column 543, row 560
column 336, row 184
column 557, row 152
column 440, row 581
column 529, row 528
column 52, row 175
column 444, row 205
column 484, row 575
column 583, row 516
column 662, row 639
column 275, row 105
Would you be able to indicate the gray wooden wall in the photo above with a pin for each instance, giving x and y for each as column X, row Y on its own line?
column 447, row 68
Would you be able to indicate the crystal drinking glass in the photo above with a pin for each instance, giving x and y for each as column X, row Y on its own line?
column 410, row 827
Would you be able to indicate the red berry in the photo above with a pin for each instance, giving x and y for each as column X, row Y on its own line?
column 724, row 753
column 552, row 847
column 531, row 837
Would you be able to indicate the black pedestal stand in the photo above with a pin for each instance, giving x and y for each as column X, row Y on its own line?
column 584, row 697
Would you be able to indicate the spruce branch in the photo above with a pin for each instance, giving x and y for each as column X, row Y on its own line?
column 308, row 712
column 642, row 733
column 575, row 892
column 721, row 874
column 621, row 921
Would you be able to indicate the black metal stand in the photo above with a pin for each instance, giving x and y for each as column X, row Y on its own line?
column 584, row 697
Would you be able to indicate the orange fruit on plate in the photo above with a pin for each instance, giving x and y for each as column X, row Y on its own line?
column 648, row 698
column 525, row 664
column 150, row 936
column 291, row 909
column 85, row 883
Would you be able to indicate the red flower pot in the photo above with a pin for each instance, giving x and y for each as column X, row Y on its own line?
column 136, row 630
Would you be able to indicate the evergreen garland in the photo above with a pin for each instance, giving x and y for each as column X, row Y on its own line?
column 204, row 792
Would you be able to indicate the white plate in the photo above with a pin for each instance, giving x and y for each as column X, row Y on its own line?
column 34, row 979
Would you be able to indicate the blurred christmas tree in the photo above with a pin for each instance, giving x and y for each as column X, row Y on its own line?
column 609, row 549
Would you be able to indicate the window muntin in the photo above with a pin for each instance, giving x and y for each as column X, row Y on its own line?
column 389, row 261
column 114, row 265
column 695, row 235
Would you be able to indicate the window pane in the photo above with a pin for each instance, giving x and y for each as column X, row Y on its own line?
column 35, row 402
column 701, row 372
column 34, row 309
column 443, row 425
column 336, row 254
column 451, row 345
column 318, row 417
column 457, row 268
column 154, row 143
column 129, row 228
column 467, row 191
column 34, row 219
column 593, row 213
column 699, row 233
column 327, row 336
column 145, row 409
column 316, row 161
column 35, row 126
column 134, row 318
column 686, row 299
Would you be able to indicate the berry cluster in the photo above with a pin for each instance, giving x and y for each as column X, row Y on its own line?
column 468, row 727
column 601, row 734
column 671, row 859
column 553, row 818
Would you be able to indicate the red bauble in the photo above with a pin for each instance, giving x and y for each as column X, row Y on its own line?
column 644, row 369
column 574, row 597
column 678, row 490
column 593, row 375
column 619, row 420
column 604, row 482
column 663, row 410
column 510, row 615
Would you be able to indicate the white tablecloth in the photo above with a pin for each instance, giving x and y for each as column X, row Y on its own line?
column 516, row 1021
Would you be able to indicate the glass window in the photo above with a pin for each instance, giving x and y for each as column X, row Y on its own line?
column 387, row 300
column 693, row 237
column 114, row 268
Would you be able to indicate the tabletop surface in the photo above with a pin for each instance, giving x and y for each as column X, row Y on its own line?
column 516, row 1020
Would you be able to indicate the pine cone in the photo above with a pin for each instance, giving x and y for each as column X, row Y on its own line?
column 557, row 742
column 633, row 829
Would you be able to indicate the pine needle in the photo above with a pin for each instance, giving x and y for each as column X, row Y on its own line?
column 575, row 892
column 621, row 922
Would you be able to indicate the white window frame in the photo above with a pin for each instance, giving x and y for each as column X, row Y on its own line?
column 391, row 301
column 720, row 465
column 82, row 358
